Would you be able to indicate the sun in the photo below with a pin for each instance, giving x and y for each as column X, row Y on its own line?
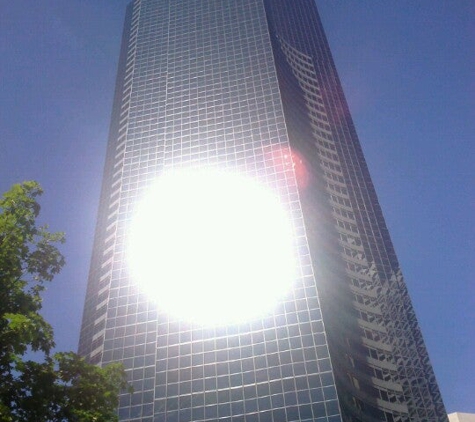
column 212, row 247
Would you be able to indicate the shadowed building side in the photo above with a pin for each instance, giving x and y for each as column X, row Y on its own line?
column 380, row 361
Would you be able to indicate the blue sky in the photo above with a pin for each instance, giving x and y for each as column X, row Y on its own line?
column 407, row 69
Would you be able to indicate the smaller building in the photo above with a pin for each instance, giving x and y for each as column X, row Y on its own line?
column 462, row 417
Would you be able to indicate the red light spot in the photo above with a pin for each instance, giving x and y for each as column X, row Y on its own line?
column 287, row 160
column 301, row 170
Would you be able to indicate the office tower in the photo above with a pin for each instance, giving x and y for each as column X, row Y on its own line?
column 249, row 87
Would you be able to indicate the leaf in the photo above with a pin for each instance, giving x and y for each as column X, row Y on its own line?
column 63, row 387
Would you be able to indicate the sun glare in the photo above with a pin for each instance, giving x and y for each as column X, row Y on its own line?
column 212, row 247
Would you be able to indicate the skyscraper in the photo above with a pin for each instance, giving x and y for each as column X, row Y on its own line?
column 248, row 88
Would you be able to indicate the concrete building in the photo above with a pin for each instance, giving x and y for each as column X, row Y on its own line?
column 461, row 417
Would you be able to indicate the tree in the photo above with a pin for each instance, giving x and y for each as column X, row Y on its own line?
column 63, row 387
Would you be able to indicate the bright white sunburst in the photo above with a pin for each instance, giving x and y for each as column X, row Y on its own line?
column 212, row 247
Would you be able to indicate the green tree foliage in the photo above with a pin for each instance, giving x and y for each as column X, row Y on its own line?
column 63, row 387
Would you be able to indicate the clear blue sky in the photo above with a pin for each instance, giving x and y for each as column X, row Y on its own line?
column 408, row 71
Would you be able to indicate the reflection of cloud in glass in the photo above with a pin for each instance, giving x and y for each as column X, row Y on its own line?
column 212, row 247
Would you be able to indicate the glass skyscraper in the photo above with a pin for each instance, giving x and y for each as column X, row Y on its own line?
column 250, row 87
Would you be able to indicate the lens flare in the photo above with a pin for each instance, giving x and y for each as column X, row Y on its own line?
column 212, row 247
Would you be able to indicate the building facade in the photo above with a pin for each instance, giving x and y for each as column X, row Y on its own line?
column 250, row 86
column 461, row 417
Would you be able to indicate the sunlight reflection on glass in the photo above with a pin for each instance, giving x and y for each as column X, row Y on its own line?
column 212, row 247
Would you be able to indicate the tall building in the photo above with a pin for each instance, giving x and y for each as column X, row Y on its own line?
column 249, row 88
